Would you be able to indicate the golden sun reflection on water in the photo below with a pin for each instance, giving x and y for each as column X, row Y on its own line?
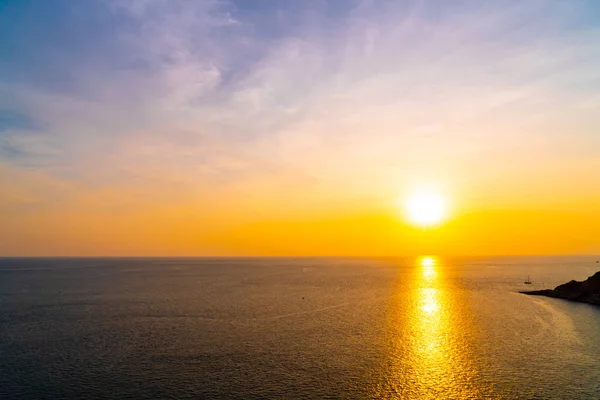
column 430, row 338
column 429, row 301
column 427, row 261
column 428, row 265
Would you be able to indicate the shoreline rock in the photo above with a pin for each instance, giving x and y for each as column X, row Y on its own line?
column 587, row 291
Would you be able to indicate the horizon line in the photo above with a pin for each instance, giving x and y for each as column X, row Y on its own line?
column 293, row 256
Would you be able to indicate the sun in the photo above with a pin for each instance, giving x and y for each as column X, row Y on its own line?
column 426, row 208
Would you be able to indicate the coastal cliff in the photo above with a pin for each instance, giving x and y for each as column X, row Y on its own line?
column 587, row 291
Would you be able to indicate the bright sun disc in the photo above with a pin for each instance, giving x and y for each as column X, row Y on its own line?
column 426, row 208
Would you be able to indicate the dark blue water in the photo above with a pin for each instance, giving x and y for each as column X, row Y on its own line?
column 294, row 328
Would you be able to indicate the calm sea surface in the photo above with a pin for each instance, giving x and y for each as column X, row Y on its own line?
column 295, row 329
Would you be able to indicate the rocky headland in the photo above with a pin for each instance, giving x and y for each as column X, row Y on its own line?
column 587, row 291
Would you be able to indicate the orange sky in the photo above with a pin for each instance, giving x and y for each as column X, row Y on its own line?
column 293, row 222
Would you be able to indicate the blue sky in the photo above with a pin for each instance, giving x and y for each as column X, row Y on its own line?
column 77, row 73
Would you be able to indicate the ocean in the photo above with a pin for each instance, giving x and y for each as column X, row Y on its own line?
column 295, row 328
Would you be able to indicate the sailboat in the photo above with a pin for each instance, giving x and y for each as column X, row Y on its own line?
column 528, row 281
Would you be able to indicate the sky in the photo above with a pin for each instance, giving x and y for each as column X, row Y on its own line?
column 168, row 127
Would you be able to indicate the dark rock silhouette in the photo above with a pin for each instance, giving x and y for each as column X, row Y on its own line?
column 587, row 291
